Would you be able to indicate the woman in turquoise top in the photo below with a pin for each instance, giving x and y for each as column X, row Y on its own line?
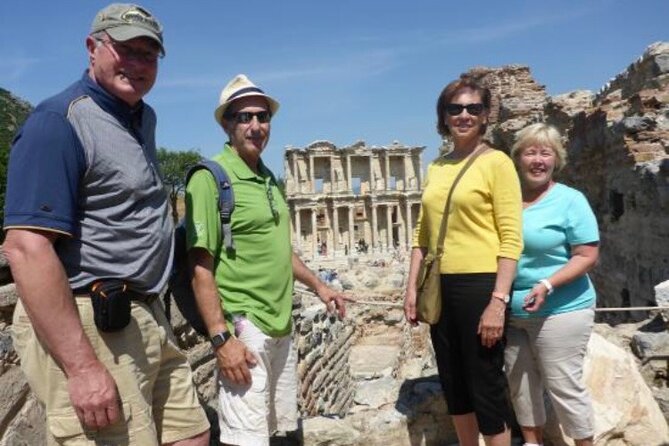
column 552, row 307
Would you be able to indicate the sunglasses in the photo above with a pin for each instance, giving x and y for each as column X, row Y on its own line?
column 473, row 109
column 245, row 117
column 127, row 52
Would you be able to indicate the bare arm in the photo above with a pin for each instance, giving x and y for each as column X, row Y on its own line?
column 583, row 259
column 417, row 257
column 327, row 295
column 233, row 358
column 491, row 325
column 46, row 295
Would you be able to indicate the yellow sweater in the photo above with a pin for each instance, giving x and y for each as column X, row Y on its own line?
column 485, row 214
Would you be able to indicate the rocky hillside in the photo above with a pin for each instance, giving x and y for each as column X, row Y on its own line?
column 617, row 142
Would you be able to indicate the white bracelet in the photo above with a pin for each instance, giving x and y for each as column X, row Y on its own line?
column 547, row 284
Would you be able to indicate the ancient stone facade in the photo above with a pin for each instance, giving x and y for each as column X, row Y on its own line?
column 352, row 198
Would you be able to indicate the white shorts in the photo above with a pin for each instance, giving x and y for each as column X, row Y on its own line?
column 248, row 415
column 547, row 354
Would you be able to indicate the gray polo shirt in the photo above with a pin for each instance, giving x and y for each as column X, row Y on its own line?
column 84, row 164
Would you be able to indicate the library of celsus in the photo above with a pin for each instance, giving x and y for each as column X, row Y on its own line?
column 352, row 199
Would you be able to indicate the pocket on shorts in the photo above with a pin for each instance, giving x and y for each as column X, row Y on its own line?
column 65, row 425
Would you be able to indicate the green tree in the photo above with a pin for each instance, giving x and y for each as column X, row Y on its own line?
column 13, row 112
column 174, row 165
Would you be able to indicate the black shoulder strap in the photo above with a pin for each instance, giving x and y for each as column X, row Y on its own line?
column 226, row 197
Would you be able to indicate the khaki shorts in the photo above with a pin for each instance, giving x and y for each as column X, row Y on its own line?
column 545, row 355
column 159, row 402
column 248, row 415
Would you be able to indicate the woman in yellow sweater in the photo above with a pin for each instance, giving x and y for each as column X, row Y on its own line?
column 481, row 249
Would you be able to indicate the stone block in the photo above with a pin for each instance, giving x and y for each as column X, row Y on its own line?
column 8, row 296
column 13, row 392
column 650, row 345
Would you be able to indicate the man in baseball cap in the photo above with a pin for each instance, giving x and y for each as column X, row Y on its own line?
column 245, row 293
column 90, row 248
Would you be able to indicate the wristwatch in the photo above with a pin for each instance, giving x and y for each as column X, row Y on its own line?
column 501, row 296
column 548, row 285
column 220, row 338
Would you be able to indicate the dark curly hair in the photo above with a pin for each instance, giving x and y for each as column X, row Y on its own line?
column 447, row 95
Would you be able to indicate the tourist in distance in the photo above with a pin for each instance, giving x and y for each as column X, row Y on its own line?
column 481, row 249
column 89, row 243
column 245, row 294
column 552, row 310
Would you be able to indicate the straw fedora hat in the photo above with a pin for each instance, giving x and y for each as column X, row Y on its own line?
column 240, row 87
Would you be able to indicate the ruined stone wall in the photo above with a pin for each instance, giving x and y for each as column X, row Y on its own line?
column 324, row 344
column 517, row 99
column 619, row 157
column 617, row 143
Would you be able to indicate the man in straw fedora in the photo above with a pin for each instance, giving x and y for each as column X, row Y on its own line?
column 245, row 293
column 89, row 242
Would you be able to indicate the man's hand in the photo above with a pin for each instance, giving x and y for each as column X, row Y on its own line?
column 94, row 396
column 333, row 300
column 234, row 360
column 491, row 324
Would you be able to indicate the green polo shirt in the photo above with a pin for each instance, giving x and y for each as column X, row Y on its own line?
column 256, row 278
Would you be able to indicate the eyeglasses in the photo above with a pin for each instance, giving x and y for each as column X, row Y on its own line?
column 245, row 117
column 127, row 52
column 473, row 109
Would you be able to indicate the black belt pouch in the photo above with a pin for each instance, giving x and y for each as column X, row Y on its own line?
column 111, row 305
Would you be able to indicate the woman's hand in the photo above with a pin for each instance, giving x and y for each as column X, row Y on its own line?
column 535, row 298
column 410, row 305
column 491, row 324
column 417, row 258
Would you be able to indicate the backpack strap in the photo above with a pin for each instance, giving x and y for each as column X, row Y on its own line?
column 226, row 197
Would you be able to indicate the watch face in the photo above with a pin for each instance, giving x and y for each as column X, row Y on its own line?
column 219, row 339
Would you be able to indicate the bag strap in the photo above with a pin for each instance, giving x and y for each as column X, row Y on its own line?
column 444, row 220
column 226, row 197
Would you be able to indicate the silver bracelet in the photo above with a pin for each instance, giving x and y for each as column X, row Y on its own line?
column 547, row 284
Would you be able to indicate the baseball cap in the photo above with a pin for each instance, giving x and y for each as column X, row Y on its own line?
column 124, row 21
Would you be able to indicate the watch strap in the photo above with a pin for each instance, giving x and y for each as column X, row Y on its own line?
column 547, row 284
column 501, row 296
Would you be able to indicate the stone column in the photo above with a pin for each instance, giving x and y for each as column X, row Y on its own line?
column 409, row 226
column 349, row 182
column 333, row 182
column 405, row 170
column 314, row 234
column 350, row 228
column 335, row 228
column 298, row 228
column 389, row 216
column 296, row 174
column 387, row 167
column 311, row 172
column 419, row 169
column 371, row 174
column 375, row 228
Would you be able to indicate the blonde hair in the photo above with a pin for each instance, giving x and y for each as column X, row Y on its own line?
column 542, row 135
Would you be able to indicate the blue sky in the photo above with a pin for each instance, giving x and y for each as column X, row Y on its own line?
column 343, row 70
